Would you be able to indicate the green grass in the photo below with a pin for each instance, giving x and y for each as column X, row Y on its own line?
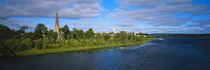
column 46, row 51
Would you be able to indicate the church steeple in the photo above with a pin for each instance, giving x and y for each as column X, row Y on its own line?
column 57, row 24
column 56, row 28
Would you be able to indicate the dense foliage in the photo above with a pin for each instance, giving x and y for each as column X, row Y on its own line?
column 42, row 38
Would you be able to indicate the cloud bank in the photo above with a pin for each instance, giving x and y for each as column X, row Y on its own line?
column 46, row 8
column 163, row 13
column 148, row 16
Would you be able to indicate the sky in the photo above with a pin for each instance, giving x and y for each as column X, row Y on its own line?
column 145, row 16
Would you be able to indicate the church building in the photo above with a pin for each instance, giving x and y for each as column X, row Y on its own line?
column 56, row 28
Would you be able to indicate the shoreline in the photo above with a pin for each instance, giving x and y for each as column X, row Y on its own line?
column 73, row 49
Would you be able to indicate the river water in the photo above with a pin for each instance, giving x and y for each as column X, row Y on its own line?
column 167, row 54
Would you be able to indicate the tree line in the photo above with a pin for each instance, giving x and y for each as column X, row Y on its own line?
column 12, row 41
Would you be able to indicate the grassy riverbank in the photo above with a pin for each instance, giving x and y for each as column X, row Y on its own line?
column 46, row 51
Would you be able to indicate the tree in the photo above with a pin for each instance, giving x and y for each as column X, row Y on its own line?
column 106, row 36
column 82, row 34
column 19, row 34
column 40, row 30
column 52, row 36
column 22, row 29
column 99, row 36
column 65, row 29
column 123, row 35
column 89, row 34
column 28, row 35
column 14, row 44
column 28, row 43
column 5, row 33
column 77, row 34
column 117, row 37
column 130, row 36
column 70, row 35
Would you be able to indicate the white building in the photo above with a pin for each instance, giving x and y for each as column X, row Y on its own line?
column 114, row 30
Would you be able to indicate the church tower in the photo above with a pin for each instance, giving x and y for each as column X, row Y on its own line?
column 56, row 28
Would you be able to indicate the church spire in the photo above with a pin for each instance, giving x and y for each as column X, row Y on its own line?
column 57, row 24
column 56, row 28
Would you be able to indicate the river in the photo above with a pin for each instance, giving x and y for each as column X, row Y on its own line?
column 166, row 54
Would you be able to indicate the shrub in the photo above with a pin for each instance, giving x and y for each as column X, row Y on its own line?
column 28, row 43
column 38, row 44
column 14, row 44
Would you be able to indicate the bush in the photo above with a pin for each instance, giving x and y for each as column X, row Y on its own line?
column 38, row 44
column 52, row 46
column 28, row 43
column 14, row 44
column 73, row 43
column 45, row 46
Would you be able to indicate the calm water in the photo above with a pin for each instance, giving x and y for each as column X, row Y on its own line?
column 167, row 54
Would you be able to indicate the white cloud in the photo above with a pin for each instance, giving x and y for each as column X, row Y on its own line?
column 73, row 23
column 16, row 24
column 47, row 8
column 100, row 19
column 81, row 10
column 162, row 12
column 126, row 24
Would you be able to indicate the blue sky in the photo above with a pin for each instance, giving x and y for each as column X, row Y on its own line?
column 146, row 16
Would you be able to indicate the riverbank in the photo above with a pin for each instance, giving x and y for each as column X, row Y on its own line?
column 47, row 51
